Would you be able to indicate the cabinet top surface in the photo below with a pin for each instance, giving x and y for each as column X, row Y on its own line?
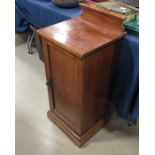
column 79, row 37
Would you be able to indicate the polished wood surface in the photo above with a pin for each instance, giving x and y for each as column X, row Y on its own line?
column 79, row 59
column 78, row 36
column 82, row 35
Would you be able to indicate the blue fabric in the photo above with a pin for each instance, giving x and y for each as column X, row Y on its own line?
column 41, row 13
column 126, row 85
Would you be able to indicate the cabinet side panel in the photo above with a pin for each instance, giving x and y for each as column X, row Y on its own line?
column 67, row 86
column 97, row 81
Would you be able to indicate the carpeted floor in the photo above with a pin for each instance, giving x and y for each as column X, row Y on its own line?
column 36, row 135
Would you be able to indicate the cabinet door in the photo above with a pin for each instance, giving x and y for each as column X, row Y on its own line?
column 67, row 85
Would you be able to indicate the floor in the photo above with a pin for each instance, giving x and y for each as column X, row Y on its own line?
column 37, row 135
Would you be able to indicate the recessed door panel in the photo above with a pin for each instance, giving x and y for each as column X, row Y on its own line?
column 67, row 85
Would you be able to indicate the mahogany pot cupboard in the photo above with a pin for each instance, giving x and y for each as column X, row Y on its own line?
column 79, row 56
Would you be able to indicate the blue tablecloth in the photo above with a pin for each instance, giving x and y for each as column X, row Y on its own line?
column 41, row 13
column 125, row 95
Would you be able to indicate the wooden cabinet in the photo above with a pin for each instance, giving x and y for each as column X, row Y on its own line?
column 79, row 59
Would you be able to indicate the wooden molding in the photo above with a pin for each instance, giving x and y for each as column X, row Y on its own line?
column 78, row 140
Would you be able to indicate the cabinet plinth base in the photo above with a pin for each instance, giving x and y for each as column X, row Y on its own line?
column 78, row 140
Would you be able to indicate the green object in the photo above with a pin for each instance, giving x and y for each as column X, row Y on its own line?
column 131, row 22
column 132, row 26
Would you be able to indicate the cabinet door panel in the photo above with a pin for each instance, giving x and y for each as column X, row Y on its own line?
column 67, row 85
